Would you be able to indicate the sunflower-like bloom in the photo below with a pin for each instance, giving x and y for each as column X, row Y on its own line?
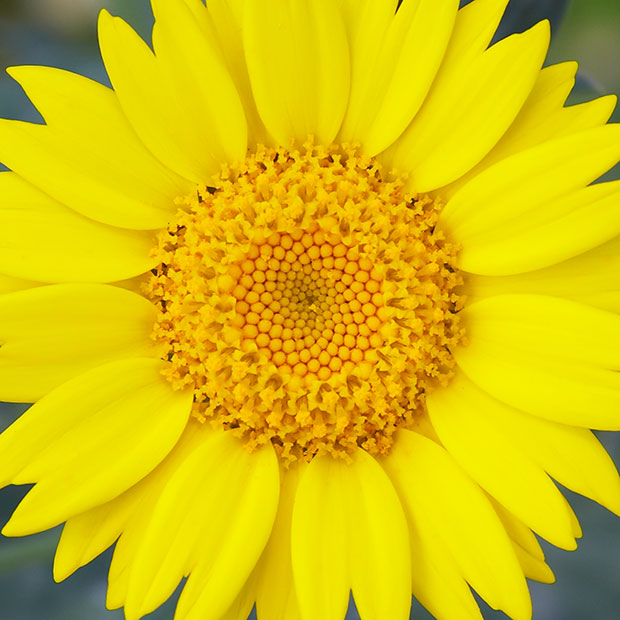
column 320, row 298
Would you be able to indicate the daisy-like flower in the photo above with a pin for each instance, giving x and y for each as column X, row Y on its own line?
column 320, row 298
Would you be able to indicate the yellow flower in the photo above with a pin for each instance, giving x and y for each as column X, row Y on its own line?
column 318, row 299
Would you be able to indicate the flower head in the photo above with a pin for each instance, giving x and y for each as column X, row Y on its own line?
column 301, row 303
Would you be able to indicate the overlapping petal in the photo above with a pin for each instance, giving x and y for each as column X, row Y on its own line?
column 553, row 358
column 591, row 278
column 530, row 210
column 349, row 533
column 298, row 61
column 445, row 506
column 90, row 533
column 49, row 334
column 211, row 522
column 543, row 117
column 118, row 183
column 168, row 95
column 387, row 49
column 89, row 440
column 473, row 102
column 49, row 242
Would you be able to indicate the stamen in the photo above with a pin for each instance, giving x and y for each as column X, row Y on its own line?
column 307, row 301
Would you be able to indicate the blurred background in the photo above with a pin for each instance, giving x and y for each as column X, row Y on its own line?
column 63, row 33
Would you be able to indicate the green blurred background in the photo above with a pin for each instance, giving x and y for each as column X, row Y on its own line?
column 63, row 33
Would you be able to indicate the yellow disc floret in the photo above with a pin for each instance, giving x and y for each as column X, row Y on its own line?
column 307, row 301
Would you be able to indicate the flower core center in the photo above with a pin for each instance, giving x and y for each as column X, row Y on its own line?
column 307, row 301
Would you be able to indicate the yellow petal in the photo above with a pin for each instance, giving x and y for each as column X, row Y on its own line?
column 475, row 26
column 88, row 534
column 169, row 97
column 82, row 250
column 379, row 555
column 120, row 566
column 243, row 604
column 228, row 17
column 319, row 544
column 49, row 334
column 547, row 327
column 387, row 49
column 91, row 439
column 186, row 50
column 560, row 384
column 474, row 102
column 298, row 60
column 119, row 182
column 543, row 118
column 349, row 532
column 526, row 546
column 553, row 446
column 275, row 596
column 520, row 534
column 446, row 505
column 524, row 190
column 591, row 278
column 533, row 568
column 525, row 239
column 438, row 582
column 212, row 520
column 464, row 418
column 9, row 284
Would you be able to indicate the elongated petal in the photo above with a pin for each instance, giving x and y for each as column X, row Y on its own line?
column 526, row 546
column 49, row 242
column 349, row 532
column 491, row 457
column 520, row 534
column 387, row 49
column 122, row 560
column 62, row 441
column 543, row 118
column 565, row 385
column 530, row 237
column 275, row 596
column 473, row 103
column 591, row 278
column 169, row 97
column 192, row 63
column 319, row 542
column 547, row 326
column 443, row 503
column 553, row 447
column 118, row 183
column 229, row 551
column 380, row 563
column 90, row 533
column 212, row 520
column 228, row 18
column 522, row 189
column 298, row 61
column 49, row 334
column 438, row 582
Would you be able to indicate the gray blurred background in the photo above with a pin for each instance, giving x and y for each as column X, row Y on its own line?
column 63, row 33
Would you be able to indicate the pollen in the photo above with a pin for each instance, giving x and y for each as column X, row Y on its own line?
column 308, row 301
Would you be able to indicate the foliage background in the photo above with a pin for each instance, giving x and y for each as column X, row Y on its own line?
column 63, row 33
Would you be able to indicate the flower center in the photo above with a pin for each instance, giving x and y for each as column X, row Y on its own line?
column 308, row 301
